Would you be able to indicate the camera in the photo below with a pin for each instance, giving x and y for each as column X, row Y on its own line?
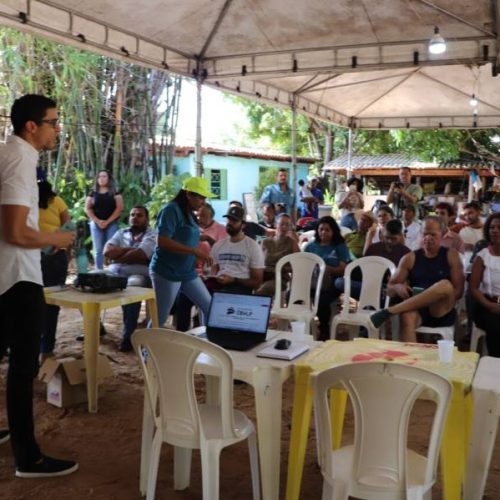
column 399, row 185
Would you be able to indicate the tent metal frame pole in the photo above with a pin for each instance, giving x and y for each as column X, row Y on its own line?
column 294, row 148
column 198, row 153
column 349, row 153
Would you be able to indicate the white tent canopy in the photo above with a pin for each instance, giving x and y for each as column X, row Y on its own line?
column 356, row 63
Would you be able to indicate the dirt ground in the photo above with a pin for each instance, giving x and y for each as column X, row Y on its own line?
column 107, row 444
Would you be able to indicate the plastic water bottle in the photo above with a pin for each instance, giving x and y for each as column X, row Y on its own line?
column 82, row 262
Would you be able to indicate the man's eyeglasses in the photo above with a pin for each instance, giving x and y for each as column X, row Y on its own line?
column 53, row 122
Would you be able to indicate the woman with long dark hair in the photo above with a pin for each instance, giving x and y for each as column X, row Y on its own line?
column 484, row 285
column 173, row 266
column 330, row 246
column 52, row 216
column 103, row 207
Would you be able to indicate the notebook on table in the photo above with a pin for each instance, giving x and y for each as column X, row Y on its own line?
column 237, row 321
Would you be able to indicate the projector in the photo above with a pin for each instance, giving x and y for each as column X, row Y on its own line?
column 100, row 282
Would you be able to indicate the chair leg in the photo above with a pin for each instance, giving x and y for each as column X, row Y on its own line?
column 154, row 462
column 254, row 465
column 182, row 467
column 210, row 459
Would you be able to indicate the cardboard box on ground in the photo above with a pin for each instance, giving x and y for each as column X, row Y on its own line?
column 65, row 379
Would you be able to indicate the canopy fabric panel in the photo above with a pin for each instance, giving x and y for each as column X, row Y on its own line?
column 355, row 63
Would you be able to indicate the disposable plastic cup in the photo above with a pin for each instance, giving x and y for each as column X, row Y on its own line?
column 445, row 350
column 298, row 330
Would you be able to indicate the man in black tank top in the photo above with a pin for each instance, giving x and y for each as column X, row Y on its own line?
column 429, row 281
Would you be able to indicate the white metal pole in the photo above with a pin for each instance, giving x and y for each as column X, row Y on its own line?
column 197, row 147
column 349, row 154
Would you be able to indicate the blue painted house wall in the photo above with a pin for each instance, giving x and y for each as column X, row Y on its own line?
column 242, row 174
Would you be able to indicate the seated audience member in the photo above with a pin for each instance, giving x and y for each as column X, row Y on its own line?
column 484, row 286
column 268, row 216
column 355, row 241
column 375, row 234
column 211, row 230
column 274, row 249
column 390, row 248
column 252, row 229
column 330, row 246
column 429, row 281
column 351, row 203
column 238, row 260
column 130, row 250
column 473, row 230
column 444, row 211
column 411, row 228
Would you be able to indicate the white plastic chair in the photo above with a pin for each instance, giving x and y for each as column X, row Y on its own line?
column 300, row 307
column 378, row 465
column 373, row 270
column 477, row 333
column 174, row 416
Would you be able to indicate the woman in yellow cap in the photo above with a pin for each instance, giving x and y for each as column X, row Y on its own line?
column 172, row 267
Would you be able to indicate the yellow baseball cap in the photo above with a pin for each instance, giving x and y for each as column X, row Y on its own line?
column 197, row 185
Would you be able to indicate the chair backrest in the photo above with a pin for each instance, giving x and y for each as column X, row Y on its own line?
column 373, row 270
column 303, row 266
column 168, row 360
column 382, row 396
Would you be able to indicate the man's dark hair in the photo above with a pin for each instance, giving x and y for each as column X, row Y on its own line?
column 29, row 107
column 406, row 168
column 236, row 202
column 301, row 182
column 142, row 207
column 210, row 209
column 394, row 227
column 283, row 170
column 446, row 206
column 268, row 205
column 474, row 205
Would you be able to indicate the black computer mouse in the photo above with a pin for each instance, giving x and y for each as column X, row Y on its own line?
column 282, row 344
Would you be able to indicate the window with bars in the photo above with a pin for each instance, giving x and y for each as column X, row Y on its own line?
column 218, row 182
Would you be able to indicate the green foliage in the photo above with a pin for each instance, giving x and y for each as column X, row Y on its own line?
column 133, row 190
column 113, row 114
column 272, row 127
column 163, row 192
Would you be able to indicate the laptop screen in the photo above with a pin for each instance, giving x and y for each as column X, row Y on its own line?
column 245, row 313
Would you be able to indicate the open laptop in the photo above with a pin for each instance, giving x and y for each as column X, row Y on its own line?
column 237, row 321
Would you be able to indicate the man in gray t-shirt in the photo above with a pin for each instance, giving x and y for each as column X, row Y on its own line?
column 130, row 250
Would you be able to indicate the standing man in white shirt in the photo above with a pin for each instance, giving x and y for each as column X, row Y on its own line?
column 473, row 231
column 35, row 120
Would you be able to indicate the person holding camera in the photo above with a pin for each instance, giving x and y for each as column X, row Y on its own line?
column 403, row 193
column 351, row 203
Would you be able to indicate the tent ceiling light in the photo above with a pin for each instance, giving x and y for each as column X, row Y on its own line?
column 437, row 45
column 473, row 101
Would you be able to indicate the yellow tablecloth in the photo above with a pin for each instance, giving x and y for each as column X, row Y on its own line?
column 460, row 373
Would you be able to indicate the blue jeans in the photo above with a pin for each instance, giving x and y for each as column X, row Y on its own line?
column 99, row 239
column 131, row 311
column 166, row 293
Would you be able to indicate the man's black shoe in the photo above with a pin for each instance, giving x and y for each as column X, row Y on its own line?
column 102, row 332
column 47, row 467
column 4, row 436
column 125, row 346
